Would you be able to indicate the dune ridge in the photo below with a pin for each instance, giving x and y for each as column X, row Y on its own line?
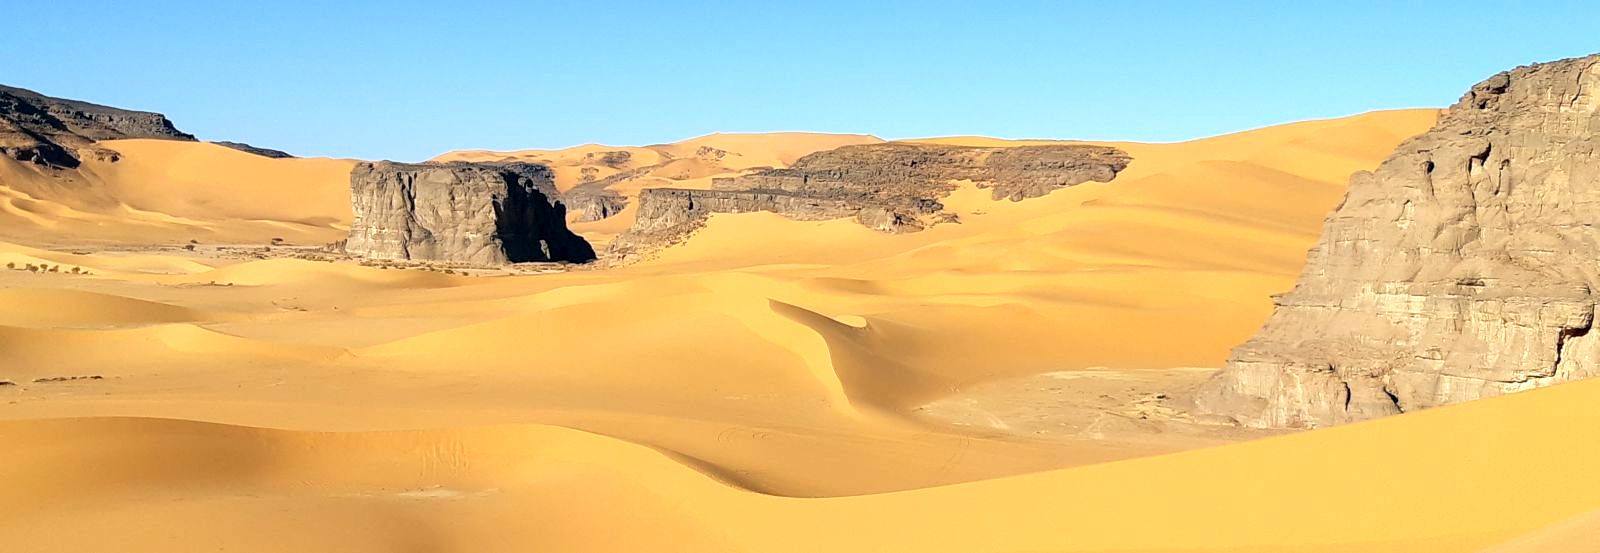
column 769, row 385
column 674, row 505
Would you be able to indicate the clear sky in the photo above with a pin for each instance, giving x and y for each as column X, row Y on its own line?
column 409, row 80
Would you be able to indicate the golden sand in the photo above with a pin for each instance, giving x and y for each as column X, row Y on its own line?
column 761, row 388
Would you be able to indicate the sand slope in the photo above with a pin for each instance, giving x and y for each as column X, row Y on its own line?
column 770, row 385
column 163, row 191
column 1435, row 481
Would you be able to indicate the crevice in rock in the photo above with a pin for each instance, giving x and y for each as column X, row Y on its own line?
column 1348, row 394
column 1393, row 399
column 1476, row 162
column 1568, row 333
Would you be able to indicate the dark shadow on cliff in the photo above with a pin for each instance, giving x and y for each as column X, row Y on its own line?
column 539, row 232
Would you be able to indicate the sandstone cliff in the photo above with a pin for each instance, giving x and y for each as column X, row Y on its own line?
column 1464, row 266
column 475, row 213
column 54, row 132
column 890, row 187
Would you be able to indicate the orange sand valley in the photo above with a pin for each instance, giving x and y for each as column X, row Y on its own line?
column 1015, row 382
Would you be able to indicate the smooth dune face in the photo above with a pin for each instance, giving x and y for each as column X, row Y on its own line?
column 770, row 385
column 163, row 191
column 1426, row 482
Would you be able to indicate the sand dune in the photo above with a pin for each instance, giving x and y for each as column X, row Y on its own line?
column 511, row 488
column 764, row 387
column 170, row 191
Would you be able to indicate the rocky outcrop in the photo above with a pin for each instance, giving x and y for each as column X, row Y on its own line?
column 263, row 152
column 473, row 213
column 57, row 133
column 1465, row 266
column 890, row 187
column 593, row 202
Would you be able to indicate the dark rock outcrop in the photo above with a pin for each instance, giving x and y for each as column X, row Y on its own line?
column 593, row 202
column 57, row 133
column 263, row 152
column 890, row 187
column 1465, row 266
column 474, row 213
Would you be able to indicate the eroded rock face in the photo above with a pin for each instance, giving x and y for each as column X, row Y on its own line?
column 1464, row 267
column 593, row 202
column 891, row 187
column 474, row 213
column 57, row 133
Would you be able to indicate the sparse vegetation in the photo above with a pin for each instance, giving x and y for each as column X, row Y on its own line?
column 68, row 378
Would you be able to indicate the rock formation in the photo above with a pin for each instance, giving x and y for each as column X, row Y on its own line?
column 890, row 187
column 263, row 152
column 53, row 132
column 1465, row 266
column 592, row 201
column 475, row 213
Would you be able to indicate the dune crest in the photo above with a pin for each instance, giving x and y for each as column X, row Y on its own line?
column 768, row 385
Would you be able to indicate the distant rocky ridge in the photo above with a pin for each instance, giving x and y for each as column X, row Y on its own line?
column 890, row 187
column 1465, row 266
column 473, row 213
column 53, row 132
column 263, row 152
column 593, row 201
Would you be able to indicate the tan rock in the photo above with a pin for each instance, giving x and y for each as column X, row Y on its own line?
column 1463, row 267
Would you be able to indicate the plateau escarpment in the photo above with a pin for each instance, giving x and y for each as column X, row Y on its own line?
column 890, row 187
column 56, row 133
column 257, row 150
column 1465, row 266
column 474, row 213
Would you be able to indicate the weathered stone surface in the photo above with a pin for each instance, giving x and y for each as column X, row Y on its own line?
column 51, row 131
column 1465, row 266
column 476, row 213
column 263, row 152
column 593, row 202
column 890, row 187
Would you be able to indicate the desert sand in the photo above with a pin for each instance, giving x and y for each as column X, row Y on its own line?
column 1015, row 382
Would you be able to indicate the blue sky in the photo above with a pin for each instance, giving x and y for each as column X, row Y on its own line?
column 408, row 80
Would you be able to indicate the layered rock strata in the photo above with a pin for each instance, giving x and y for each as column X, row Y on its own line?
column 1465, row 266
column 891, row 187
column 57, row 133
column 473, row 213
